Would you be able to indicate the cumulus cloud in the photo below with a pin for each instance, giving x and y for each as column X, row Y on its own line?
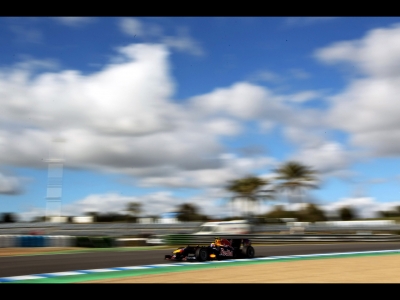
column 246, row 101
column 232, row 167
column 155, row 203
column 131, row 26
column 367, row 107
column 122, row 119
column 307, row 129
column 303, row 21
column 267, row 76
column 376, row 54
column 242, row 100
column 24, row 34
column 182, row 41
column 31, row 213
column 10, row 185
column 57, row 94
column 98, row 114
column 328, row 158
column 28, row 63
column 304, row 96
column 299, row 74
column 365, row 207
column 224, row 126
column 74, row 21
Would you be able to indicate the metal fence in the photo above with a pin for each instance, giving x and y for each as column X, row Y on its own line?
column 134, row 229
column 176, row 239
column 10, row 241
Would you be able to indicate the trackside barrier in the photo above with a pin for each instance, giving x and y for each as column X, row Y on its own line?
column 134, row 229
column 130, row 242
column 31, row 241
column 60, row 241
column 184, row 239
column 94, row 242
column 8, row 241
column 11, row 241
column 175, row 239
column 54, row 241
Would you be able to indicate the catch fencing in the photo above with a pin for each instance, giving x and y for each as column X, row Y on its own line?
column 11, row 241
column 178, row 239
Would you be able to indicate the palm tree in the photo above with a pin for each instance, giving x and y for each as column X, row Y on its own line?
column 249, row 189
column 293, row 177
column 189, row 212
column 346, row 213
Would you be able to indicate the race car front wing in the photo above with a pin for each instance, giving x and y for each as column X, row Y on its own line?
column 190, row 257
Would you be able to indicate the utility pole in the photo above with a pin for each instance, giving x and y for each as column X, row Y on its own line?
column 54, row 180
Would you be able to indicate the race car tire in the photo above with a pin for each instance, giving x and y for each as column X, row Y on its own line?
column 201, row 254
column 248, row 251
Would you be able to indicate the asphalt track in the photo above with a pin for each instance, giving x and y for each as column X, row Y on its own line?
column 120, row 257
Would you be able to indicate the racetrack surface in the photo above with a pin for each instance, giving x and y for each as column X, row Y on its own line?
column 373, row 269
column 47, row 263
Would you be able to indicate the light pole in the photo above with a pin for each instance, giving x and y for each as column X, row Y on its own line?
column 54, row 181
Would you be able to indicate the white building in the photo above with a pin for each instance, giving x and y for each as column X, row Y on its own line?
column 168, row 218
column 84, row 219
column 147, row 220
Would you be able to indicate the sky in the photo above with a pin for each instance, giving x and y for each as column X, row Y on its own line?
column 167, row 110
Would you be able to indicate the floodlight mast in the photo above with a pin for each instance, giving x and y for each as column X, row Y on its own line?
column 54, row 181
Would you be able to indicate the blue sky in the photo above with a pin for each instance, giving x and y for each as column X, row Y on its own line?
column 167, row 110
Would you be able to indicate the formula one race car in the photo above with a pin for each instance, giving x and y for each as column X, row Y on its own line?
column 219, row 249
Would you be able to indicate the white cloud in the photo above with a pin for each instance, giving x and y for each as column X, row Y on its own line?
column 303, row 21
column 161, row 202
column 67, row 98
column 326, row 158
column 28, row 63
column 181, row 42
column 241, row 100
column 121, row 119
column 377, row 54
column 307, row 129
column 131, row 26
column 74, row 21
column 232, row 167
column 299, row 74
column 135, row 27
column 246, row 101
column 24, row 34
column 224, row 126
column 304, row 96
column 267, row 76
column 152, row 204
column 266, row 126
column 367, row 108
column 31, row 214
column 303, row 138
column 10, row 185
column 364, row 207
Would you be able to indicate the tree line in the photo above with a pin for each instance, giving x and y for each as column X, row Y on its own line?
column 291, row 179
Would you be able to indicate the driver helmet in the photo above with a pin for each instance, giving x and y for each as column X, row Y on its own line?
column 218, row 241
